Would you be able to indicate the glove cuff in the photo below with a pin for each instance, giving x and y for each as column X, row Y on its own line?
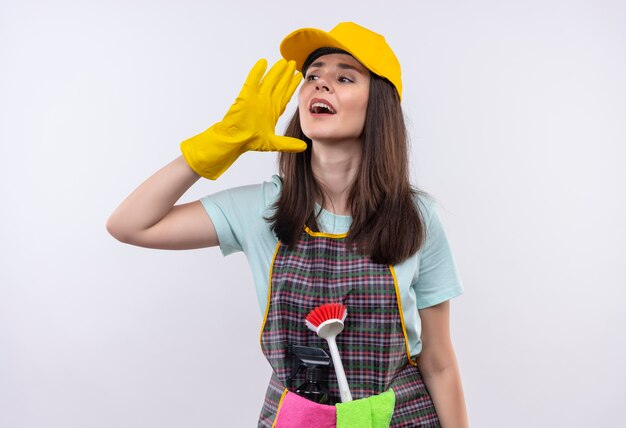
column 207, row 155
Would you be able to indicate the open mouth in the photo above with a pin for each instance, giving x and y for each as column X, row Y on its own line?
column 319, row 107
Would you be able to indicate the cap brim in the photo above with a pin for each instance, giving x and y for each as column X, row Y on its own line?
column 298, row 45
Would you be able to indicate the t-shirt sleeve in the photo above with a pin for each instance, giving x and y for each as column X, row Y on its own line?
column 236, row 211
column 437, row 277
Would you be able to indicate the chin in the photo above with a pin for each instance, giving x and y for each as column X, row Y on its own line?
column 323, row 136
column 327, row 135
column 332, row 139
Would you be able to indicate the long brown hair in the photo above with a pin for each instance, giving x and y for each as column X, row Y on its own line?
column 386, row 224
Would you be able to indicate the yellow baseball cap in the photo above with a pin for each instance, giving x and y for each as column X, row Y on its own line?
column 369, row 48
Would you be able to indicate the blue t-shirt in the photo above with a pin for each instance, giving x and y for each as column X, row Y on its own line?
column 425, row 279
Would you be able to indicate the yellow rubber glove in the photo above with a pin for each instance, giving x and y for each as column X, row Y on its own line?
column 249, row 123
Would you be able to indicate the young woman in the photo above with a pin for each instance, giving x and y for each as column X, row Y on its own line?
column 341, row 224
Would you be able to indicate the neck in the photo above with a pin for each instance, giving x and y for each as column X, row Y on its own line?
column 335, row 167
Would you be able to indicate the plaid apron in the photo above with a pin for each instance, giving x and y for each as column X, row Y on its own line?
column 373, row 345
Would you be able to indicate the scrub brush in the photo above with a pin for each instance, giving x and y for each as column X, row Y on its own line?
column 327, row 321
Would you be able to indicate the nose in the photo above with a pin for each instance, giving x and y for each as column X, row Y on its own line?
column 322, row 85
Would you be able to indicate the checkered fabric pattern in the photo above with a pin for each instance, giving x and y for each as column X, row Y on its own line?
column 323, row 269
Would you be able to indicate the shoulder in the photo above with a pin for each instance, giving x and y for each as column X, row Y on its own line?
column 270, row 190
column 261, row 195
column 426, row 205
column 239, row 213
column 273, row 187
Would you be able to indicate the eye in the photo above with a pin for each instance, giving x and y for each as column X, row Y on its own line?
column 311, row 77
column 344, row 79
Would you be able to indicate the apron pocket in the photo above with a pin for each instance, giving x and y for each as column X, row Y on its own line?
column 375, row 411
column 298, row 412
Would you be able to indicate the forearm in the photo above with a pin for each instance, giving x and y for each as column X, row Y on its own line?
column 446, row 391
column 152, row 200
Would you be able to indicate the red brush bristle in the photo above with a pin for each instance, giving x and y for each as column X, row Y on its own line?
column 326, row 312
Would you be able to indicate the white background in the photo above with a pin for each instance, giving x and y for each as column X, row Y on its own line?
column 517, row 116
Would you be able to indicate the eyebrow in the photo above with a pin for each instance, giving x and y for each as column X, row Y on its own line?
column 342, row 65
